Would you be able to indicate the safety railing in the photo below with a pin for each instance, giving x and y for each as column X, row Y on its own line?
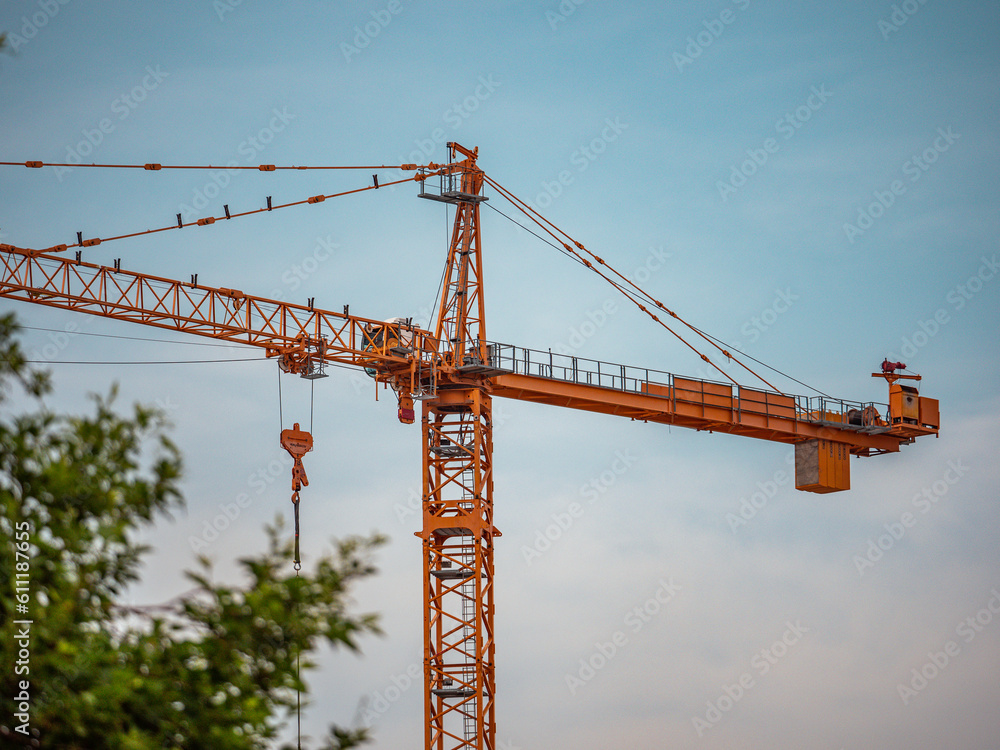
column 864, row 416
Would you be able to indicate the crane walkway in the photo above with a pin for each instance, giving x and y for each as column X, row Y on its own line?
column 657, row 395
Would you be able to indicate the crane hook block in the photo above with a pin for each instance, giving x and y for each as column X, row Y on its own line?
column 298, row 443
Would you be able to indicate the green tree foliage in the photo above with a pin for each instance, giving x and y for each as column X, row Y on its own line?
column 216, row 668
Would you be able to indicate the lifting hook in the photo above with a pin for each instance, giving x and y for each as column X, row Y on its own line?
column 298, row 443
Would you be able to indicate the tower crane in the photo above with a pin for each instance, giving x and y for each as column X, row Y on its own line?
column 455, row 372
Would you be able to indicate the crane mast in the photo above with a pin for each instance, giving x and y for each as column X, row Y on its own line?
column 455, row 372
column 457, row 491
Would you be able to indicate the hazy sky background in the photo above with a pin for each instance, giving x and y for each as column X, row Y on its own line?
column 814, row 183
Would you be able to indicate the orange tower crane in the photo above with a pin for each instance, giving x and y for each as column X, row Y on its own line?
column 456, row 372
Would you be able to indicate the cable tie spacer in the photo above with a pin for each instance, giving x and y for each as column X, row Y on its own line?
column 316, row 199
column 152, row 167
column 266, row 167
column 207, row 220
column 91, row 243
column 33, row 164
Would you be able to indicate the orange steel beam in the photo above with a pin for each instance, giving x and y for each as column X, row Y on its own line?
column 299, row 334
column 748, row 412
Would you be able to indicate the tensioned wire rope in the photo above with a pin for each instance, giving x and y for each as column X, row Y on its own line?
column 561, row 241
column 626, row 286
column 576, row 259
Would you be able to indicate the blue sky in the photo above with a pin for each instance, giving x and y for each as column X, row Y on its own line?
column 814, row 183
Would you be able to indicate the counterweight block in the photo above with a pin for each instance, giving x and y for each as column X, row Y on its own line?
column 822, row 466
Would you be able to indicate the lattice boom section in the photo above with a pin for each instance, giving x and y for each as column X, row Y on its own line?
column 226, row 314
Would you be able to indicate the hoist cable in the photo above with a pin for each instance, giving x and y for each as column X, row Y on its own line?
column 281, row 416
